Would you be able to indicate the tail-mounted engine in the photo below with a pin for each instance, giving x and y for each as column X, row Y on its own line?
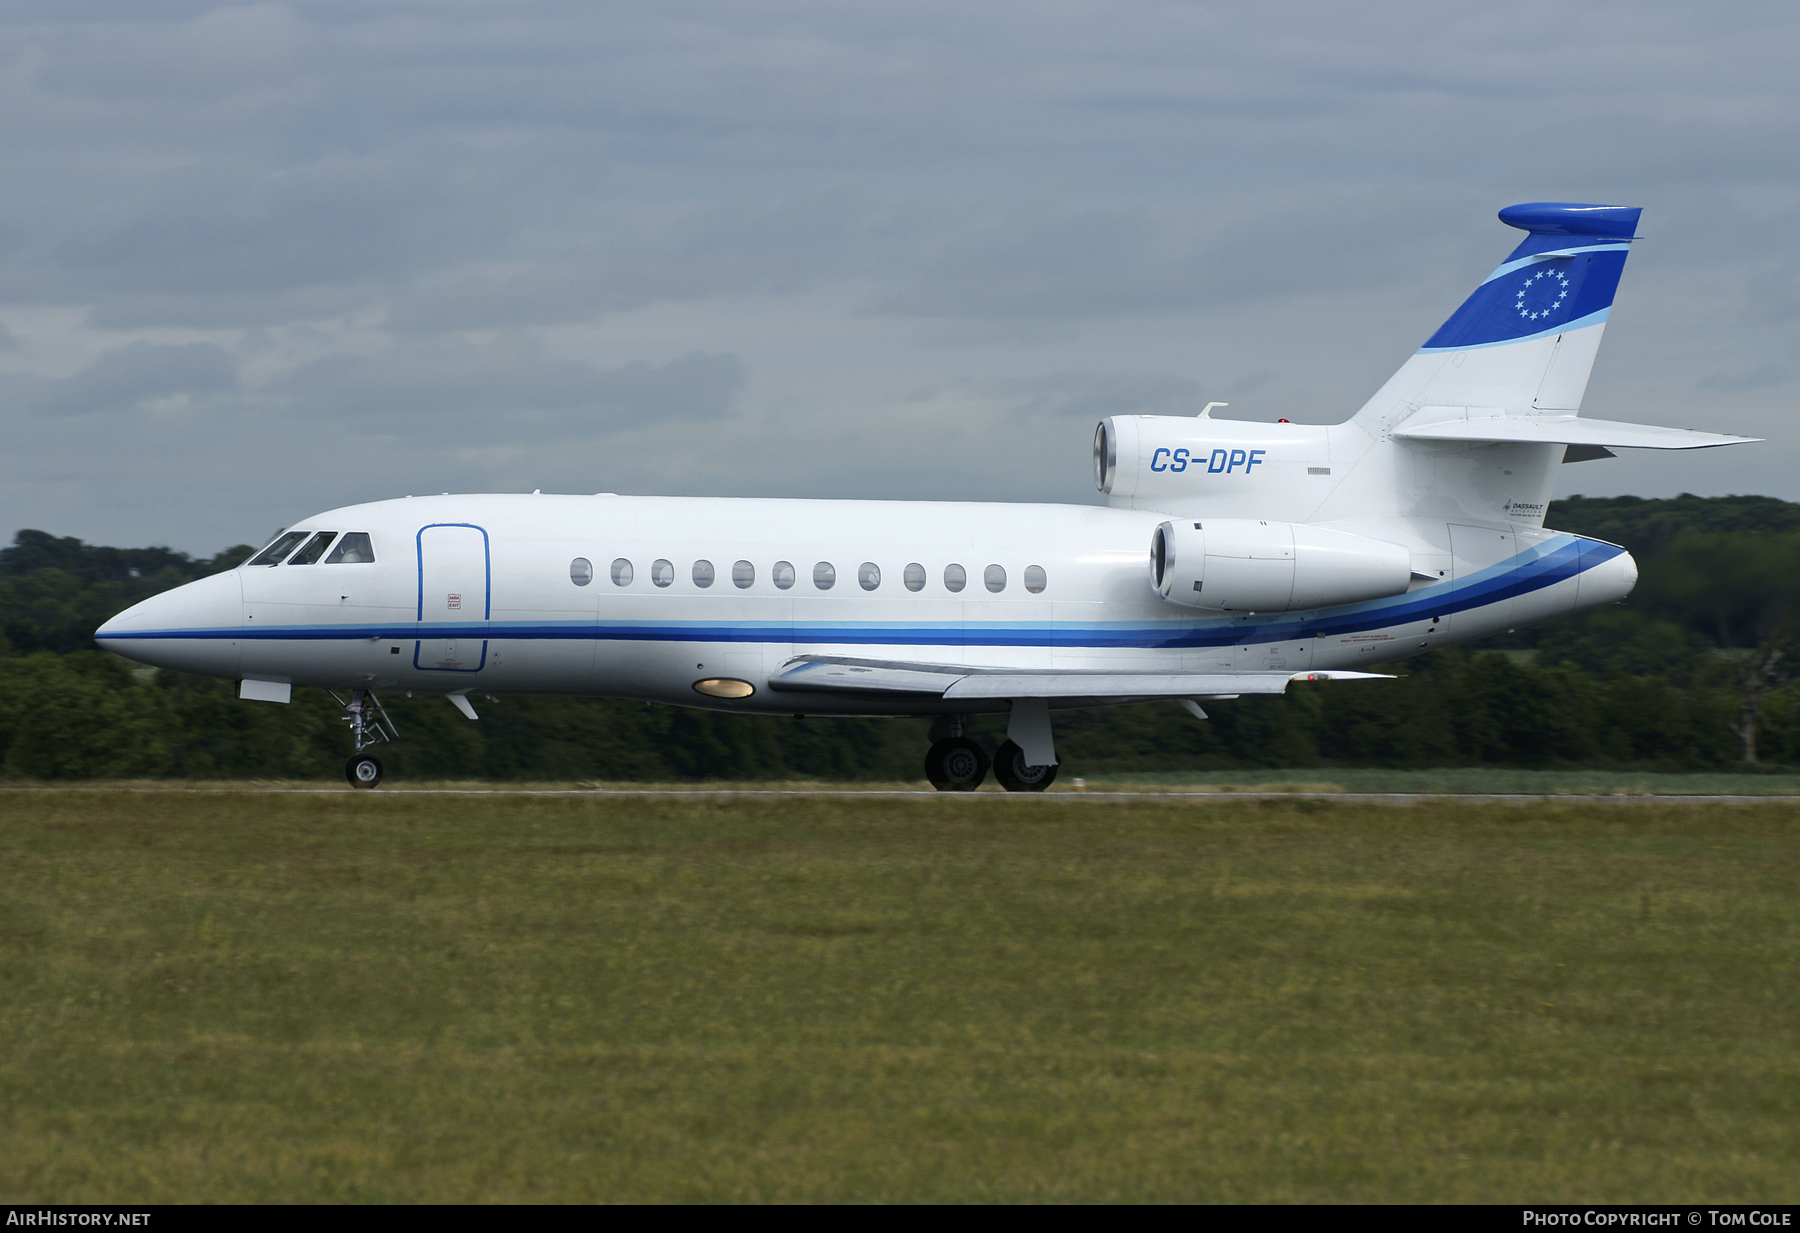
column 1241, row 565
column 1192, row 463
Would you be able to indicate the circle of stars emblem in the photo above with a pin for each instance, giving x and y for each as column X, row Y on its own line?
column 1536, row 301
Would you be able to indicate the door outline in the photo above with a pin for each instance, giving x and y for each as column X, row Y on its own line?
column 1461, row 569
column 487, row 590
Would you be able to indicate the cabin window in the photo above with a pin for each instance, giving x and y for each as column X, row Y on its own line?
column 994, row 578
column 1035, row 581
column 353, row 549
column 662, row 573
column 824, row 575
column 283, row 545
column 581, row 571
column 782, row 575
column 622, row 572
column 743, row 575
column 955, row 577
column 703, row 574
column 914, row 577
column 315, row 548
column 868, row 575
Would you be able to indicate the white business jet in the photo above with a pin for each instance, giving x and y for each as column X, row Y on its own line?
column 1230, row 558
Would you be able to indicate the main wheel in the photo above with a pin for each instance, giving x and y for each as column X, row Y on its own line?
column 1015, row 775
column 956, row 765
column 363, row 771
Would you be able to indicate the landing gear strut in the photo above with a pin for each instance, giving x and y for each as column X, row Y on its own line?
column 954, row 763
column 369, row 725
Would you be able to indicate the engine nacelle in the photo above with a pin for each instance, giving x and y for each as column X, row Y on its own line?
column 1190, row 463
column 1244, row 565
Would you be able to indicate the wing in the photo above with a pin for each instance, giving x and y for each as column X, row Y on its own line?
column 874, row 677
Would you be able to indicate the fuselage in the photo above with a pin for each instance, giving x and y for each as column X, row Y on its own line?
column 642, row 597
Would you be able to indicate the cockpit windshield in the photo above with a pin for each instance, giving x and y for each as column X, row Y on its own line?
column 315, row 548
column 283, row 545
column 353, row 549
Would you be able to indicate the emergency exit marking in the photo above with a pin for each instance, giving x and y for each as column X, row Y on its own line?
column 454, row 601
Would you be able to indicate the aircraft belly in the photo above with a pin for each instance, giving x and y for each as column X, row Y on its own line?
column 326, row 644
column 313, row 661
column 1358, row 648
column 217, row 657
column 540, row 665
column 1291, row 655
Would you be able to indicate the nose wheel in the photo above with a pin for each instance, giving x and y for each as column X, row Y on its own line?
column 363, row 771
column 369, row 725
column 956, row 764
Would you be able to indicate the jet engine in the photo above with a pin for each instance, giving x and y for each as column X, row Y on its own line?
column 1244, row 565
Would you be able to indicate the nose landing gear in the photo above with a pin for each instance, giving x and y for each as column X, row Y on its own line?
column 363, row 771
column 369, row 725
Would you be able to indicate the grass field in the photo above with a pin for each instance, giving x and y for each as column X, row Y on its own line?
column 1479, row 780
column 241, row 997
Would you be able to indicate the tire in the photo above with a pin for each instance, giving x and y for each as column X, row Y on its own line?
column 1016, row 775
column 363, row 771
column 956, row 765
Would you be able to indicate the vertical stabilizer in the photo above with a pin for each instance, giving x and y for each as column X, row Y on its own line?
column 1520, row 348
column 1525, row 341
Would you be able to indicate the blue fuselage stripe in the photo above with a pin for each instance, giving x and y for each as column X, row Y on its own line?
column 1554, row 562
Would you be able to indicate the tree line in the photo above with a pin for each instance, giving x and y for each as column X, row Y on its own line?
column 1691, row 673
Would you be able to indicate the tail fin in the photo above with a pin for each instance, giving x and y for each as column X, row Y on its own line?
column 1524, row 342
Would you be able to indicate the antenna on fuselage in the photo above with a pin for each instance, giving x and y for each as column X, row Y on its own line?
column 1206, row 411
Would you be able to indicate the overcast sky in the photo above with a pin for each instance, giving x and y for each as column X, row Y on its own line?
column 258, row 261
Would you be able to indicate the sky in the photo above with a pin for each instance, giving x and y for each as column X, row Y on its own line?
column 259, row 261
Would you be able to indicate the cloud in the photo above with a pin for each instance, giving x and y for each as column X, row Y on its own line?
column 488, row 386
column 130, row 376
column 874, row 235
column 1098, row 263
column 1762, row 377
column 1090, row 396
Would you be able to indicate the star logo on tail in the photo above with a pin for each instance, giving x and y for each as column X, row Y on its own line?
column 1542, row 293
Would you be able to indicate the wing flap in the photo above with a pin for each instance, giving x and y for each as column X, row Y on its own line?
column 830, row 674
column 1113, row 685
column 865, row 676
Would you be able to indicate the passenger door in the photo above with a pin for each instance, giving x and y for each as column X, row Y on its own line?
column 455, row 597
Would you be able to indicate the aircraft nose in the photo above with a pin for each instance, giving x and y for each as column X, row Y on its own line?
column 194, row 628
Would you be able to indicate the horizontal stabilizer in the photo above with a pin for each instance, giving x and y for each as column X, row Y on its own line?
column 1559, row 430
column 823, row 674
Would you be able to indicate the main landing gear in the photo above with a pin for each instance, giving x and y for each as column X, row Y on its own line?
column 957, row 764
column 1015, row 775
column 369, row 725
